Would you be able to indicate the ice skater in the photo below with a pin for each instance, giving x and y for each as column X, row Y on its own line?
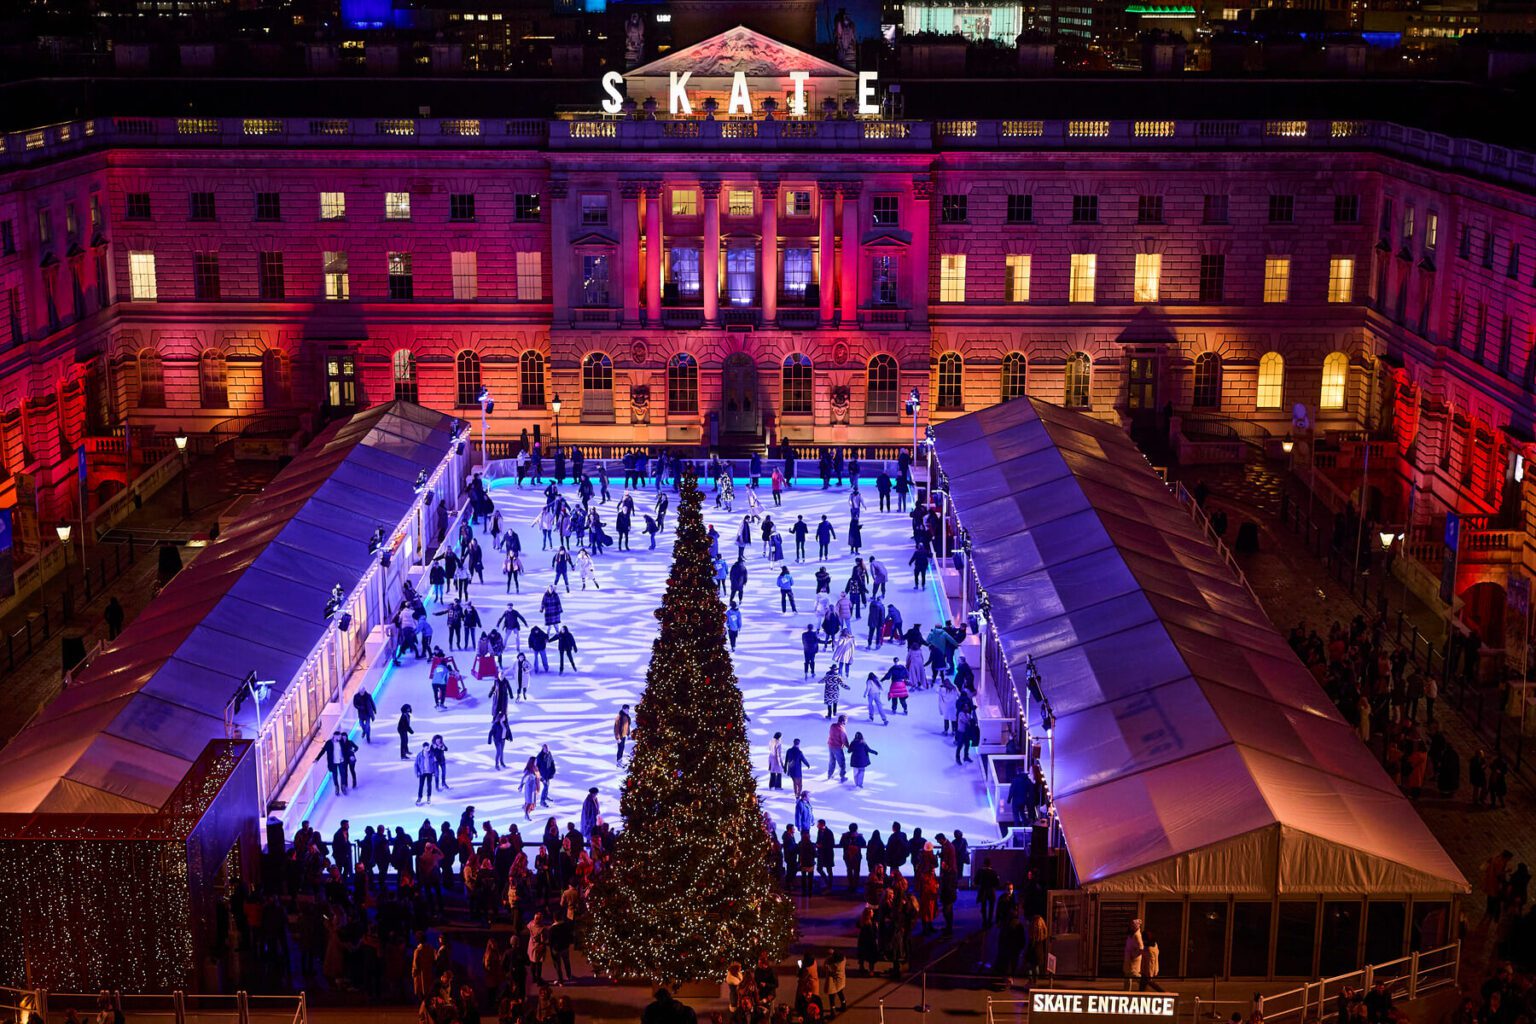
column 588, row 571
column 873, row 696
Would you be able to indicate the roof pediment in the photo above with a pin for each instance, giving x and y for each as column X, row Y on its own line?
column 739, row 49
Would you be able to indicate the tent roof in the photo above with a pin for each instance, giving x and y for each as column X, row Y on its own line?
column 1193, row 750
column 125, row 735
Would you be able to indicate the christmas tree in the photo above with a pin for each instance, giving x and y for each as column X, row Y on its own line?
column 688, row 889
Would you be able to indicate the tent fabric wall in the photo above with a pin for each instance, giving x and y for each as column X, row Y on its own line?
column 1193, row 752
column 123, row 737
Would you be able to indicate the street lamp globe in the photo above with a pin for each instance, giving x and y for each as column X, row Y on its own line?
column 555, row 405
column 1287, row 446
column 63, row 530
column 181, row 440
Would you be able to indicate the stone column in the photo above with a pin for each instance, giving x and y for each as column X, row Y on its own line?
column 653, row 248
column 917, row 271
column 851, row 233
column 768, row 259
column 561, row 273
column 827, row 192
column 709, row 258
column 629, row 251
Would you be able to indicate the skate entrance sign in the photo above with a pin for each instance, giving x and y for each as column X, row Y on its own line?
column 1061, row 1006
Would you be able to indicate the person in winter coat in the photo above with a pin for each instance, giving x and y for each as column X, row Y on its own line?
column 810, row 643
column 947, row 695
column 732, row 623
column 1134, row 948
column 738, row 578
column 842, row 652
column 403, row 727
column 786, row 584
column 858, row 758
column 805, row 818
column 530, row 787
column 499, row 736
column 588, row 572
column 776, row 761
column 873, row 696
column 919, row 563
column 795, row 764
column 825, row 534
column 832, row 685
column 546, row 765
column 550, row 605
column 896, row 675
column 837, row 744
column 965, row 726
column 875, row 621
column 567, row 647
column 424, row 773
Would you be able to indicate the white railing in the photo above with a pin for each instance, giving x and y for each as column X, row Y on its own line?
column 1201, row 520
column 1406, row 978
column 177, row 1007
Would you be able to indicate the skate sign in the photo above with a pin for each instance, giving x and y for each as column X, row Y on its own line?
column 1060, row 1006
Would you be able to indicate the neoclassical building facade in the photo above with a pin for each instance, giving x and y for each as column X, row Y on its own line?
column 733, row 280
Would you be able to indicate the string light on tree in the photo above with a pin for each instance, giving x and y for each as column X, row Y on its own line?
column 689, row 889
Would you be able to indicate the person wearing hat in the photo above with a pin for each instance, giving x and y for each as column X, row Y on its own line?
column 591, row 813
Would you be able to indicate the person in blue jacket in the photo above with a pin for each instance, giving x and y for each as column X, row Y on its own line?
column 732, row 623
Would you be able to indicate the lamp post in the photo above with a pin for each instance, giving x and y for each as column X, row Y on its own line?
column 1388, row 538
column 186, row 496
column 914, row 406
column 487, row 403
column 63, row 530
column 555, row 405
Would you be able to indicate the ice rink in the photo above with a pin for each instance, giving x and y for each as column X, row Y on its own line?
column 913, row 778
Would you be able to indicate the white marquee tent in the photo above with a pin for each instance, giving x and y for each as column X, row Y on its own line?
column 1194, row 753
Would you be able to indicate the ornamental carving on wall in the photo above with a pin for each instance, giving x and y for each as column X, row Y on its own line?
column 638, row 351
column 840, row 353
column 842, row 398
column 640, row 403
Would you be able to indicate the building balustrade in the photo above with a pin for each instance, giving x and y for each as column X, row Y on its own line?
column 882, row 316
column 50, row 142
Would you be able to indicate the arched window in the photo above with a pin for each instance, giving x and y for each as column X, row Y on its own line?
column 1335, row 379
column 1079, row 378
column 151, row 380
column 951, row 393
column 467, row 367
column 1271, row 381
column 213, row 381
column 404, row 362
column 798, row 384
column 276, row 379
column 1015, row 376
column 597, row 387
column 530, row 372
column 882, row 384
column 1207, row 381
column 683, row 384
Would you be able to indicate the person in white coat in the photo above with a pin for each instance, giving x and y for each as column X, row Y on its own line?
column 776, row 761
column 1134, row 948
column 842, row 652
column 873, row 695
column 588, row 571
column 947, row 697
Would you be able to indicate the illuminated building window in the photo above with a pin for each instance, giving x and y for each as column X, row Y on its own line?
column 397, row 206
column 1015, row 376
column 1078, row 381
column 597, row 384
column 954, row 209
column 1341, row 279
column 741, row 276
column 1431, row 230
column 797, row 203
column 881, row 385
column 1017, row 265
column 1271, row 394
column 143, row 285
column 404, row 364
column 467, row 374
column 530, row 275
column 1277, row 278
column 1083, row 270
column 740, row 203
column 798, row 381
column 952, row 277
column 1335, row 378
column 333, row 205
column 1149, row 272
column 338, row 282
column 683, row 273
column 465, row 265
column 685, row 202
column 530, row 376
column 799, row 271
column 594, row 280
column 951, row 391
column 682, row 384
column 1207, row 393
column 525, row 206
column 341, row 381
